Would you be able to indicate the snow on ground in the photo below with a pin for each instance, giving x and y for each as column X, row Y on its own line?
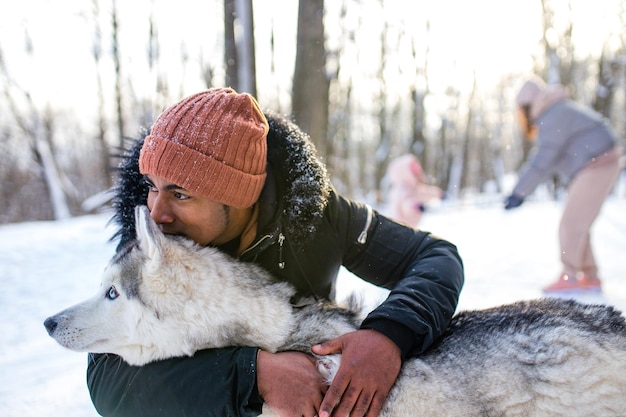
column 48, row 266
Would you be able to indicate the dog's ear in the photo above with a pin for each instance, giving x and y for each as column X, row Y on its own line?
column 148, row 233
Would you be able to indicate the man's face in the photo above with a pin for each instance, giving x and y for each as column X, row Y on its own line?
column 180, row 212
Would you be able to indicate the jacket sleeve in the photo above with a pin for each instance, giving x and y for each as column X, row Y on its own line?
column 541, row 165
column 423, row 273
column 214, row 382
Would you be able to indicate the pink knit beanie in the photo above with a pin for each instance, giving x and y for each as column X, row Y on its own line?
column 213, row 144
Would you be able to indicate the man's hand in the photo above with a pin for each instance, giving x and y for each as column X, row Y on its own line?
column 370, row 364
column 290, row 383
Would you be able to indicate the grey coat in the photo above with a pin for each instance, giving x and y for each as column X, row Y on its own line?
column 569, row 137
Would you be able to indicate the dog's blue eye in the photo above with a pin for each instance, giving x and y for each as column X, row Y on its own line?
column 112, row 294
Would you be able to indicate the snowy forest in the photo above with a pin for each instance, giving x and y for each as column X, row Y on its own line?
column 367, row 80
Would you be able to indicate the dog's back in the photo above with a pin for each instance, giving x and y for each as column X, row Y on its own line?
column 549, row 357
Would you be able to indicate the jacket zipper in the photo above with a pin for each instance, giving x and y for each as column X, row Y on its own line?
column 281, row 240
column 362, row 239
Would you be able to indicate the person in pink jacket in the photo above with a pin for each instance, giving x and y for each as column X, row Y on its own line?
column 409, row 193
column 577, row 144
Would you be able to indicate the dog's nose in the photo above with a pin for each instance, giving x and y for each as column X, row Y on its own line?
column 51, row 325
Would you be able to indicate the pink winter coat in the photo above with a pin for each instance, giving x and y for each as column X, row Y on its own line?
column 409, row 194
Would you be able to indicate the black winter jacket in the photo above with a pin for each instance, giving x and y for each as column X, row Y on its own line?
column 305, row 233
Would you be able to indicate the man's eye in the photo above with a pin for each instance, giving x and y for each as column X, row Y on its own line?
column 149, row 184
column 180, row 196
column 112, row 293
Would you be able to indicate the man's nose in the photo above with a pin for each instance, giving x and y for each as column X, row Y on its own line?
column 160, row 211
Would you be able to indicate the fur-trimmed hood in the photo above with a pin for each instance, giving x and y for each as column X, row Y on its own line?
column 301, row 180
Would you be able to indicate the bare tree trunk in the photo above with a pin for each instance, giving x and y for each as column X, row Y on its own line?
column 40, row 147
column 385, row 142
column 117, row 60
column 604, row 91
column 310, row 83
column 33, row 127
column 160, row 96
column 274, row 75
column 453, row 149
column 443, row 160
column 557, row 71
column 239, row 52
column 51, row 172
column 418, row 94
column 468, row 139
column 230, row 46
column 101, row 135
column 245, row 47
column 340, row 148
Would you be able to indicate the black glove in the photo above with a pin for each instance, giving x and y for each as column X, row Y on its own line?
column 513, row 201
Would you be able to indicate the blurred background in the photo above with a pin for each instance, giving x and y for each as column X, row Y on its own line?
column 368, row 80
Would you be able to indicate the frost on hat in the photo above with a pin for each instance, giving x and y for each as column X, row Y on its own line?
column 213, row 144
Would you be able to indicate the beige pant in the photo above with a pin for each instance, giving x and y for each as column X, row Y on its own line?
column 585, row 196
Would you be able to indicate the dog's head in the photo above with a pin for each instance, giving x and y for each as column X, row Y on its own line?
column 131, row 297
column 165, row 296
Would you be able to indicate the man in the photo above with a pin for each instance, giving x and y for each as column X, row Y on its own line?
column 214, row 170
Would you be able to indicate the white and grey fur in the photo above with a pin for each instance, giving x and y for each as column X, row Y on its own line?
column 165, row 297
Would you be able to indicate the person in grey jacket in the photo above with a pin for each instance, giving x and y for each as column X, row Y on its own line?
column 577, row 144
column 217, row 170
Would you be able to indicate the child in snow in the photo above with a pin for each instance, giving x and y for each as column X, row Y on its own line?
column 409, row 194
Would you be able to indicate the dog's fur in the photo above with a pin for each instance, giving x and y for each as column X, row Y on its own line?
column 165, row 296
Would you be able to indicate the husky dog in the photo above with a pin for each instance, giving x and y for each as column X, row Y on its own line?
column 165, row 296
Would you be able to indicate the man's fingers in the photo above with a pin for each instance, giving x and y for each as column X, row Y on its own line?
column 327, row 348
column 364, row 377
column 376, row 405
column 362, row 405
column 289, row 383
column 354, row 404
column 333, row 396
